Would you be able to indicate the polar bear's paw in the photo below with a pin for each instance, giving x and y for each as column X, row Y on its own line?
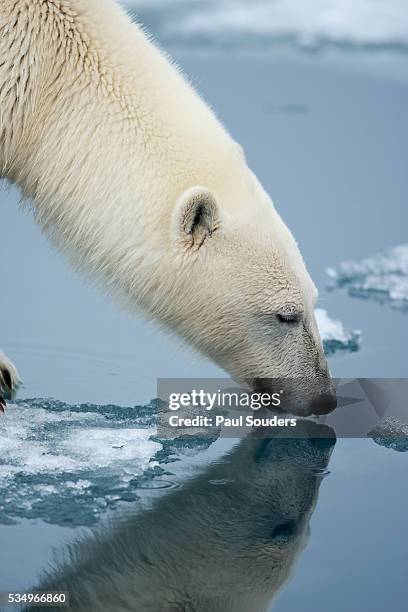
column 9, row 380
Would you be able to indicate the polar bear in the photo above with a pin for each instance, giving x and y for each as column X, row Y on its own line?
column 226, row 541
column 134, row 178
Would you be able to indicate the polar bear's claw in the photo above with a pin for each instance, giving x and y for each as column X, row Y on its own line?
column 9, row 381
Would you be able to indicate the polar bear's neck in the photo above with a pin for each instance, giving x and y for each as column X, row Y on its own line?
column 102, row 132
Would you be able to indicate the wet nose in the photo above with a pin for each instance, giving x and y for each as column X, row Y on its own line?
column 324, row 403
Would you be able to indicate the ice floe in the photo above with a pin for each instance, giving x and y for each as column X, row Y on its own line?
column 335, row 336
column 68, row 464
column 382, row 277
column 391, row 433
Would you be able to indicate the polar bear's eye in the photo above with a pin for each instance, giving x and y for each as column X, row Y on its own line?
column 285, row 530
column 289, row 319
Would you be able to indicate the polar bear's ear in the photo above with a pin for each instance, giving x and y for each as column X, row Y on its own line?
column 195, row 217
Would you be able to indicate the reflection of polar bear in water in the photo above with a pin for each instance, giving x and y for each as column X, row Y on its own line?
column 134, row 178
column 224, row 542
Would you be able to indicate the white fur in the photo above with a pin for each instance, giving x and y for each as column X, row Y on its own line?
column 113, row 145
column 8, row 374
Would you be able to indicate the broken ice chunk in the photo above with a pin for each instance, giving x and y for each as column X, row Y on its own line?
column 383, row 277
column 334, row 335
column 391, row 433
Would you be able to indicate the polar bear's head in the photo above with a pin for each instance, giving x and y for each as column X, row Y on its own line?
column 242, row 295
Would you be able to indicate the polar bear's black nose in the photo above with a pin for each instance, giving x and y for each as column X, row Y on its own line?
column 324, row 403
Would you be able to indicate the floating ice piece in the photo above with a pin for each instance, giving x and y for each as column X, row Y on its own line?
column 392, row 434
column 334, row 335
column 57, row 462
column 383, row 277
column 69, row 464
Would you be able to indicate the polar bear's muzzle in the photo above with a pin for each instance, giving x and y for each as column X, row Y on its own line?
column 300, row 396
column 324, row 403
